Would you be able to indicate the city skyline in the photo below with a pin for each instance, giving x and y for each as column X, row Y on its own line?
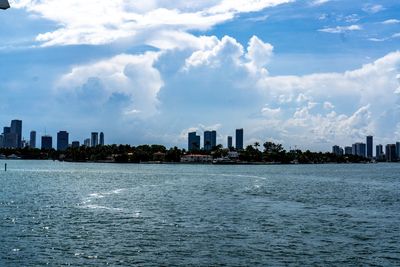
column 306, row 74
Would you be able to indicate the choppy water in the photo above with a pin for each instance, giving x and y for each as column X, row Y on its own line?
column 199, row 215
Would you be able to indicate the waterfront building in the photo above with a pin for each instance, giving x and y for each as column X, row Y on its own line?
column 348, row 150
column 47, row 142
column 193, row 141
column 1, row 140
column 86, row 142
column 370, row 143
column 391, row 153
column 9, row 138
column 230, row 142
column 210, row 140
column 16, row 129
column 359, row 149
column 398, row 150
column 379, row 152
column 32, row 140
column 239, row 139
column 194, row 158
column 75, row 144
column 94, row 139
column 337, row 150
column 62, row 140
column 101, row 139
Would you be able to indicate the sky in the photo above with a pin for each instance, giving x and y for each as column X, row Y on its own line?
column 305, row 73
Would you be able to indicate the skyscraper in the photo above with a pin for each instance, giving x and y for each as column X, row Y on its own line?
column 62, row 140
column 210, row 140
column 379, row 152
column 86, row 142
column 391, row 153
column 359, row 149
column 9, row 138
column 193, row 141
column 95, row 139
column 239, row 139
column 32, row 140
column 16, row 128
column 47, row 142
column 337, row 150
column 230, row 142
column 370, row 145
column 348, row 150
column 398, row 150
column 102, row 139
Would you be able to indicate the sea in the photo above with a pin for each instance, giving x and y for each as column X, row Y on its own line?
column 86, row 214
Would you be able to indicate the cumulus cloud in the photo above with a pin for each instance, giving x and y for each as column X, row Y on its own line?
column 341, row 29
column 128, row 80
column 100, row 22
column 391, row 21
column 229, row 84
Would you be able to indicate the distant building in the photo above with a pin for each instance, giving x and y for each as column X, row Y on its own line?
column 391, row 153
column 194, row 158
column 193, row 141
column 359, row 149
column 348, row 150
column 9, row 138
column 239, row 139
column 230, row 142
column 16, row 129
column 47, row 142
column 398, row 150
column 370, row 145
column 1, row 140
column 337, row 150
column 62, row 140
column 86, row 142
column 210, row 140
column 101, row 139
column 94, row 139
column 75, row 144
column 379, row 152
column 32, row 140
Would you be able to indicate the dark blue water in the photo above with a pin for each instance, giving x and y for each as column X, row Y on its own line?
column 199, row 215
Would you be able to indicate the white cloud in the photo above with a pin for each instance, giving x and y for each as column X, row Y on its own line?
column 341, row 29
column 131, row 79
column 396, row 35
column 373, row 8
column 319, row 2
column 391, row 21
column 100, row 22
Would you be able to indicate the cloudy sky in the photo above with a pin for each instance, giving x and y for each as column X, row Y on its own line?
column 306, row 73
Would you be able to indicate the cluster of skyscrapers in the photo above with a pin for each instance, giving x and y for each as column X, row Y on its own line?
column 390, row 154
column 210, row 141
column 12, row 138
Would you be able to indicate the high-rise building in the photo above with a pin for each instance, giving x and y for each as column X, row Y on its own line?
column 102, row 139
column 62, row 140
column 398, row 150
column 75, row 144
column 193, row 141
column 86, row 142
column 391, row 153
column 9, row 138
column 379, row 152
column 16, row 128
column 370, row 145
column 1, row 140
column 47, row 142
column 239, row 139
column 230, row 142
column 359, row 149
column 337, row 150
column 348, row 150
column 210, row 140
column 94, row 139
column 32, row 140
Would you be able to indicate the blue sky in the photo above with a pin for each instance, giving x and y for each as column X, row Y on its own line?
column 309, row 73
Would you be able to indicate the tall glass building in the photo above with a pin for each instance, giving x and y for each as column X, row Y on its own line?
column 370, row 145
column 193, row 141
column 62, row 140
column 239, row 139
column 210, row 140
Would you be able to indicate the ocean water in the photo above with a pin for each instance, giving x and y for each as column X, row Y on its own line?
column 61, row 214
